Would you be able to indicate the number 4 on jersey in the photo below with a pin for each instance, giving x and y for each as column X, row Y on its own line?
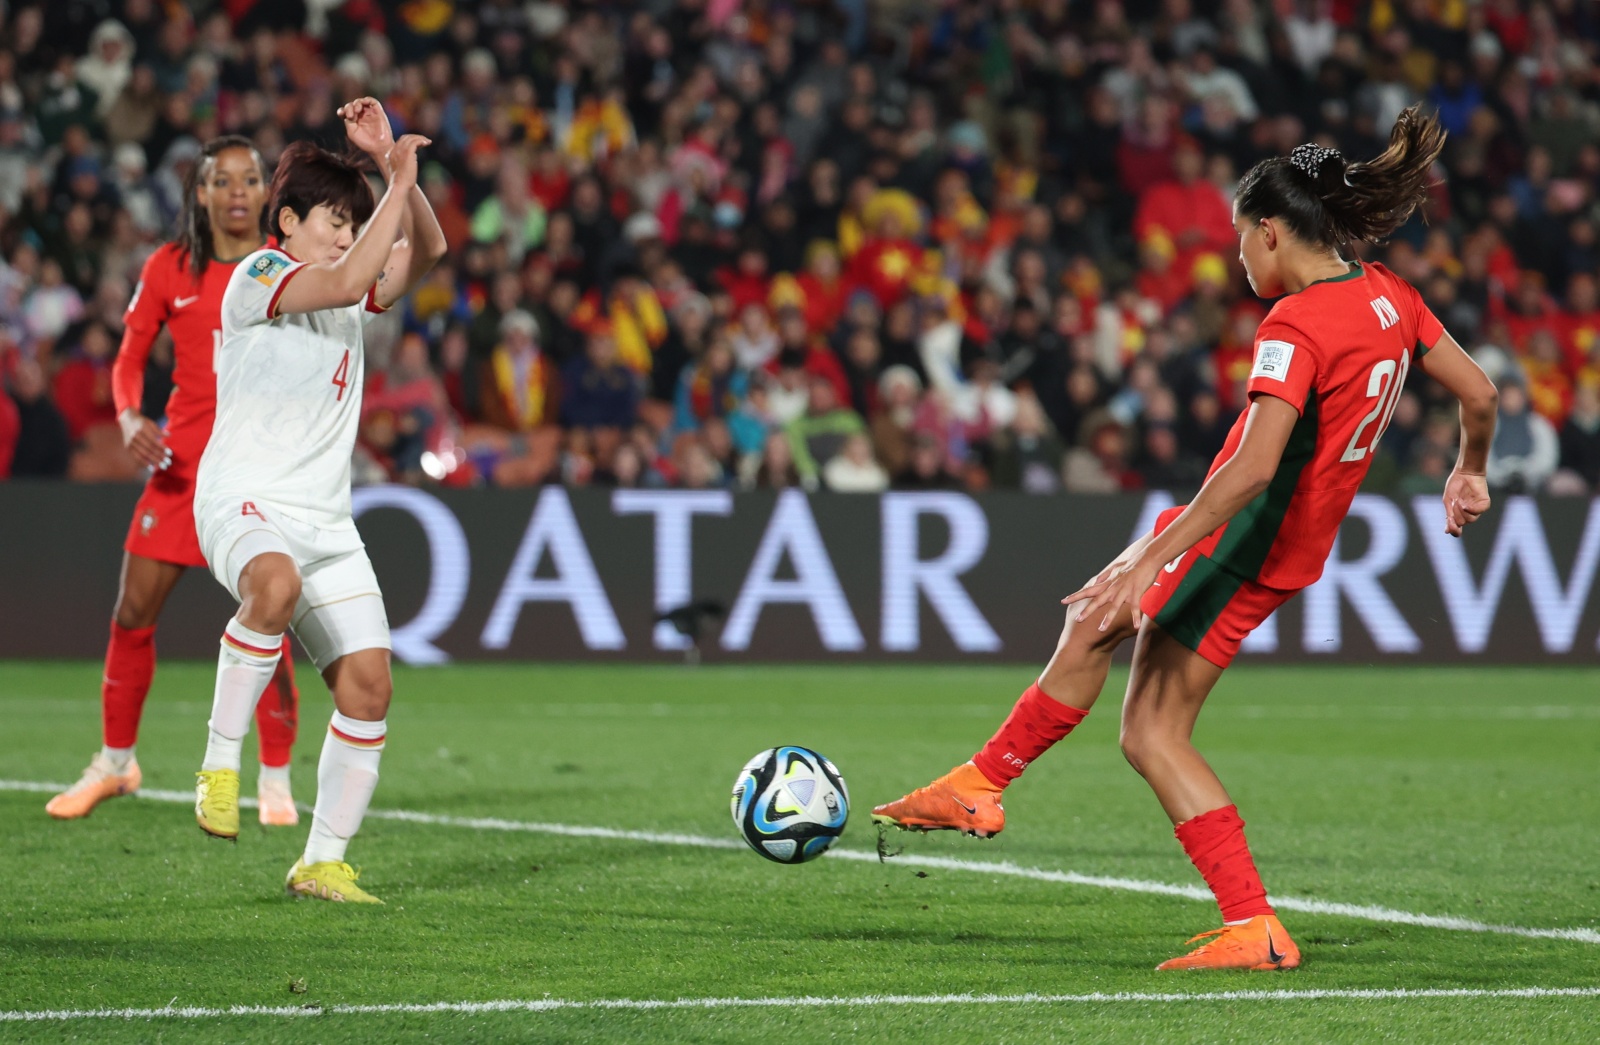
column 341, row 376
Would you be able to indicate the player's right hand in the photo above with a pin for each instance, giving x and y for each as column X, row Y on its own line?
column 1466, row 498
column 403, row 160
column 144, row 440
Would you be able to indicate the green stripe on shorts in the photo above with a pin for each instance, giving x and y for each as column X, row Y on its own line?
column 1202, row 595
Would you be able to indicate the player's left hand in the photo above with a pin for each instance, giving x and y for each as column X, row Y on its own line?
column 1123, row 583
column 367, row 126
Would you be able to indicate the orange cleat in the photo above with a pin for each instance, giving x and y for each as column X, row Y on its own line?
column 275, row 805
column 1261, row 944
column 102, row 780
column 962, row 800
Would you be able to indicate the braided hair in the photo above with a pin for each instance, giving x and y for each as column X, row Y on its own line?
column 1330, row 201
column 193, row 236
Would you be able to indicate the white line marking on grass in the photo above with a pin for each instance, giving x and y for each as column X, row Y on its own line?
column 1363, row 912
column 189, row 1012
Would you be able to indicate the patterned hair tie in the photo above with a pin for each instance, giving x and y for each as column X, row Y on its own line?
column 1309, row 158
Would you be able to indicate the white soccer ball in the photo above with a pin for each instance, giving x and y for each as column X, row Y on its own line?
column 789, row 804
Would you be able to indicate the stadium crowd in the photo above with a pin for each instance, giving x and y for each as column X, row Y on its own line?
column 845, row 245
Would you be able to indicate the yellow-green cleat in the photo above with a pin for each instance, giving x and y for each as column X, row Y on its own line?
column 216, row 802
column 329, row 880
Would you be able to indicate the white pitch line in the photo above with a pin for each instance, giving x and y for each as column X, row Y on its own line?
column 191, row 1012
column 1005, row 868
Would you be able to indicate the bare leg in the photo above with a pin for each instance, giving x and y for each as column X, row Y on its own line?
column 361, row 684
column 269, row 589
column 143, row 589
column 1169, row 685
column 1077, row 670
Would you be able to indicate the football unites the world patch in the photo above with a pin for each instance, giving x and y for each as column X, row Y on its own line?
column 267, row 267
column 1272, row 360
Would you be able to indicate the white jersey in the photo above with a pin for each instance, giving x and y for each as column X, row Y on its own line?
column 288, row 398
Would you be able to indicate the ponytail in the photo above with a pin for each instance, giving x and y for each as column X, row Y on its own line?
column 1329, row 201
column 193, row 236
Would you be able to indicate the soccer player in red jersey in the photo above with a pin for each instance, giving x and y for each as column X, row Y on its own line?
column 180, row 287
column 1330, row 361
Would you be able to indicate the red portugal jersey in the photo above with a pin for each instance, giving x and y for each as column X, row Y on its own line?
column 191, row 309
column 1338, row 352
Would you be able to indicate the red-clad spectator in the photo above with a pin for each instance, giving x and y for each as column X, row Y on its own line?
column 1532, row 309
column 1582, row 326
column 445, row 198
column 1193, row 212
column 1144, row 156
column 82, row 387
column 1508, row 20
column 1161, row 278
column 821, row 287
column 549, row 181
column 10, row 430
column 1549, row 377
column 888, row 259
column 801, row 349
column 747, row 280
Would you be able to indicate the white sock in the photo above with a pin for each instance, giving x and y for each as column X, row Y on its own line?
column 279, row 774
column 244, row 669
column 346, row 777
column 119, row 757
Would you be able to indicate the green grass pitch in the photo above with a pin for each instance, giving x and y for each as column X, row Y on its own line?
column 1469, row 793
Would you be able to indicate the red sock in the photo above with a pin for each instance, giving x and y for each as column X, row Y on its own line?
column 1034, row 725
column 130, row 665
column 278, row 713
column 1215, row 842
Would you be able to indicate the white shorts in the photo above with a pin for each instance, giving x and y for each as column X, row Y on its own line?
column 341, row 607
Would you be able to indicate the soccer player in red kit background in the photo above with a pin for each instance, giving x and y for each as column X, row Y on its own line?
column 180, row 286
column 1330, row 361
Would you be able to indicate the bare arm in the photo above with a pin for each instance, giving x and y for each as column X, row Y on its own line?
column 345, row 282
column 1240, row 480
column 1466, row 492
column 419, row 249
column 421, row 243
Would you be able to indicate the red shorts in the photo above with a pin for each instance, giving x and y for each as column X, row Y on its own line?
column 1203, row 604
column 163, row 521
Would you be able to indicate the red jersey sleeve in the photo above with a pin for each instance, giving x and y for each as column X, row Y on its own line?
column 1285, row 364
column 1429, row 329
column 147, row 311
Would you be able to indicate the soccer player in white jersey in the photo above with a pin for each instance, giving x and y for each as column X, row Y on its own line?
column 272, row 501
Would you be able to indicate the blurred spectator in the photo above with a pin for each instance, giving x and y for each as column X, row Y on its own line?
column 1030, row 460
column 853, row 469
column 82, row 387
column 41, row 448
column 1526, row 449
column 1001, row 234
column 600, row 396
column 821, row 432
column 1580, row 436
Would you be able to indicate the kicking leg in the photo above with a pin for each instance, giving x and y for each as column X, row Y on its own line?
column 1169, row 685
column 130, row 667
column 967, row 799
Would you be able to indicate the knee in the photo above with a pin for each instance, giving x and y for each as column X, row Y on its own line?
column 1139, row 745
column 368, row 699
column 135, row 609
column 270, row 603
